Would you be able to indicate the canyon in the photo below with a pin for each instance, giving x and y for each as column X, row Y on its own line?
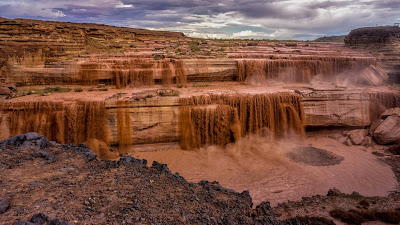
column 125, row 91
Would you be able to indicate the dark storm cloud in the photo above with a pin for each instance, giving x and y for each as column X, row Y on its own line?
column 225, row 18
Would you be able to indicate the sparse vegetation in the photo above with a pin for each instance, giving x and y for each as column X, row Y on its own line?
column 56, row 89
column 331, row 39
column 46, row 91
column 194, row 46
column 78, row 90
column 167, row 92
column 201, row 85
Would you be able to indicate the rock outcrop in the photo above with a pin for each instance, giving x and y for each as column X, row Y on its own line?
column 120, row 192
column 388, row 132
column 4, row 205
column 382, row 41
column 373, row 76
column 358, row 136
column 31, row 48
column 29, row 140
column 380, row 35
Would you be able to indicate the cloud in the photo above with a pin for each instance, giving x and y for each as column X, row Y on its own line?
column 280, row 19
column 122, row 5
column 251, row 34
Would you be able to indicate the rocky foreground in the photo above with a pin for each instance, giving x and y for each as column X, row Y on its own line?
column 47, row 183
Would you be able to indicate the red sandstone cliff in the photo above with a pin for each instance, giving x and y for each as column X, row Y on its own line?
column 49, row 41
column 384, row 42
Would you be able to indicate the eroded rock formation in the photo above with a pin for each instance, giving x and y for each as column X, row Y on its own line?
column 384, row 42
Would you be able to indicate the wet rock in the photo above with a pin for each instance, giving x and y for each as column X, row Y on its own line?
column 357, row 136
column 335, row 136
column 314, row 156
column 342, row 140
column 161, row 167
column 82, row 149
column 333, row 192
column 368, row 141
column 388, row 132
column 391, row 112
column 348, row 142
column 265, row 209
column 129, row 160
column 30, row 140
column 4, row 205
column 246, row 195
column 375, row 124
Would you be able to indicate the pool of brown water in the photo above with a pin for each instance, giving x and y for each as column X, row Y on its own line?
column 263, row 167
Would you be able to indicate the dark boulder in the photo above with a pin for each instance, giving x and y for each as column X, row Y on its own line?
column 30, row 140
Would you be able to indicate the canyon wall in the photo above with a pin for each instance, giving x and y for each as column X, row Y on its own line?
column 158, row 99
column 193, row 121
column 43, row 52
column 383, row 42
column 34, row 52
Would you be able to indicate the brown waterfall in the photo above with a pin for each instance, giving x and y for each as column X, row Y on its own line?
column 166, row 72
column 133, row 72
column 299, row 69
column 46, row 118
column 64, row 123
column 380, row 101
column 91, row 121
column 205, row 125
column 124, row 128
column 180, row 72
column 282, row 113
column 88, row 73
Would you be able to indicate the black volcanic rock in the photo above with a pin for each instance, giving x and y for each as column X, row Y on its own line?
column 4, row 205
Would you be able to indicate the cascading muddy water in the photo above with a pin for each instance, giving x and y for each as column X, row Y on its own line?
column 206, row 125
column 242, row 114
column 180, row 72
column 139, row 72
column 78, row 122
column 299, row 69
column 124, row 128
column 133, row 72
column 380, row 101
column 88, row 73
column 65, row 123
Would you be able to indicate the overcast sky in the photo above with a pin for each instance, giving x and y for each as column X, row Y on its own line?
column 259, row 19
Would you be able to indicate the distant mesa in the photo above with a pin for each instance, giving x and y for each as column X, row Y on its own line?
column 106, row 30
column 380, row 35
column 339, row 38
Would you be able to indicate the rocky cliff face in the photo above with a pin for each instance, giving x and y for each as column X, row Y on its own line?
column 54, row 45
column 381, row 35
column 384, row 42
